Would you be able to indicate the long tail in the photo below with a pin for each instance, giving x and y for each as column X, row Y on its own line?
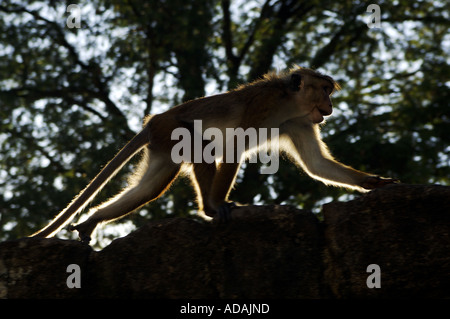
column 125, row 154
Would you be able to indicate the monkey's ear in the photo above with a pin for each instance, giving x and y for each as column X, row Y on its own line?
column 296, row 80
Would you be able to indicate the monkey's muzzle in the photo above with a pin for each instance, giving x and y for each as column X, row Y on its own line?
column 325, row 112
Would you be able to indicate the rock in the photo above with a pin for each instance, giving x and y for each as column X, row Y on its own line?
column 404, row 229
column 264, row 252
column 37, row 267
column 265, row 255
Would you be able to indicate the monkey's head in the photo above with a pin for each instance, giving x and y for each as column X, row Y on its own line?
column 313, row 92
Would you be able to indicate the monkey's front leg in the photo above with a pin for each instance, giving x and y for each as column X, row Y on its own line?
column 372, row 182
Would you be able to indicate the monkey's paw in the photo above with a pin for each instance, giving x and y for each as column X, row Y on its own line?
column 373, row 182
column 223, row 214
column 82, row 235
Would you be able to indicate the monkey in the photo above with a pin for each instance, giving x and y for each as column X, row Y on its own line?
column 295, row 102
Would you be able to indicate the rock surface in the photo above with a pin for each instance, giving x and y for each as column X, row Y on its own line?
column 265, row 252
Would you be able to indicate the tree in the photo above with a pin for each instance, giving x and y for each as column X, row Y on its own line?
column 71, row 97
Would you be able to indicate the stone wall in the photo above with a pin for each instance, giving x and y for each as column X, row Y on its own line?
column 402, row 231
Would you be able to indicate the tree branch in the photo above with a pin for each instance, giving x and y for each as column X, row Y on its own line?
column 226, row 32
column 265, row 12
column 101, row 90
column 34, row 94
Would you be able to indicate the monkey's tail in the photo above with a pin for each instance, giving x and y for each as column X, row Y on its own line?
column 79, row 202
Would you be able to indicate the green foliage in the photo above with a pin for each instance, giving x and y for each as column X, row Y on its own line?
column 71, row 98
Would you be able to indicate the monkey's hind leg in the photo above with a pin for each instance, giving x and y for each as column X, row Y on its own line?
column 203, row 179
column 220, row 188
column 224, row 212
column 156, row 177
